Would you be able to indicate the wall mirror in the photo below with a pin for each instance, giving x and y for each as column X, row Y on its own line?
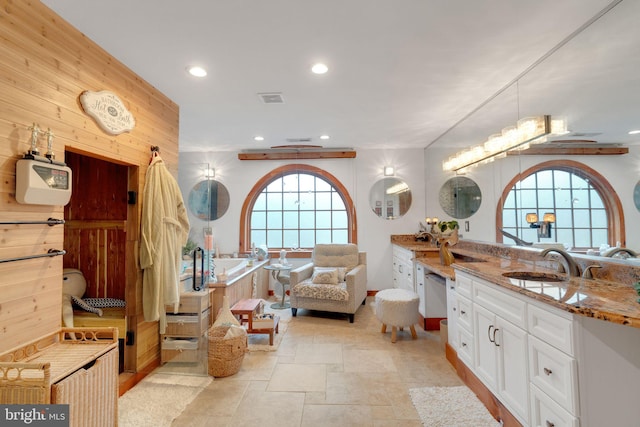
column 460, row 197
column 595, row 96
column 390, row 198
column 208, row 200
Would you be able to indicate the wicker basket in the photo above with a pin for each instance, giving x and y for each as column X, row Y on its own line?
column 225, row 355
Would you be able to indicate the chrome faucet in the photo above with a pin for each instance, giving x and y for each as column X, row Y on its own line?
column 587, row 274
column 611, row 252
column 572, row 266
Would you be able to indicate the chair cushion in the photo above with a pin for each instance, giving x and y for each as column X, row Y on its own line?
column 336, row 255
column 325, row 275
column 308, row 289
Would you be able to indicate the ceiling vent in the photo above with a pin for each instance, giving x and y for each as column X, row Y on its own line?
column 298, row 140
column 271, row 98
column 585, row 134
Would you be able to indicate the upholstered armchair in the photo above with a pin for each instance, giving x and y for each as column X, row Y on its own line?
column 335, row 280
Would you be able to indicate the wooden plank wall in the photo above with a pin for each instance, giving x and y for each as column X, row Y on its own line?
column 46, row 64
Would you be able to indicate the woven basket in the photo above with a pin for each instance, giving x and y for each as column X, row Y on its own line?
column 225, row 355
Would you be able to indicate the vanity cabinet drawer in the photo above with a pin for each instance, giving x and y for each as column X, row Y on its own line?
column 463, row 284
column 464, row 314
column 546, row 413
column 465, row 347
column 552, row 328
column 554, row 373
column 510, row 308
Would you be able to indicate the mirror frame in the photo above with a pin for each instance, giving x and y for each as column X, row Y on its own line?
column 386, row 205
column 451, row 191
column 208, row 208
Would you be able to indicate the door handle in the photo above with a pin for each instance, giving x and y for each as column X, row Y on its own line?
column 489, row 334
column 495, row 330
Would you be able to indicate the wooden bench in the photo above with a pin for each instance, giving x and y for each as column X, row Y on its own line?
column 246, row 310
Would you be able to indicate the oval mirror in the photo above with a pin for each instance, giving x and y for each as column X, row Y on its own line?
column 636, row 195
column 460, row 197
column 390, row 198
column 208, row 200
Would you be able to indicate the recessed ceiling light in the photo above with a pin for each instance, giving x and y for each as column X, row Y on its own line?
column 324, row 137
column 197, row 71
column 634, row 132
column 319, row 68
column 258, row 138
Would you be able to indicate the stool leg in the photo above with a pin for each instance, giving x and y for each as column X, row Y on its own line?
column 394, row 333
column 384, row 329
column 413, row 332
column 402, row 328
column 271, row 337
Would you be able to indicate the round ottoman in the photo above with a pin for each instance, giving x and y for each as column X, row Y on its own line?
column 397, row 308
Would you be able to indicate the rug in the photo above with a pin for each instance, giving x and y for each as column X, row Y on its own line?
column 450, row 407
column 158, row 399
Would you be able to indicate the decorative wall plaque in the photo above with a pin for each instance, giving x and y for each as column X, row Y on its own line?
column 108, row 111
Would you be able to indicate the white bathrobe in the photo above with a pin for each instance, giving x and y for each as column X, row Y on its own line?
column 165, row 230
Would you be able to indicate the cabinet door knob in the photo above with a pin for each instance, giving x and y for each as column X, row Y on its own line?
column 463, row 312
column 489, row 333
column 455, row 309
column 547, row 371
column 464, row 344
column 495, row 330
column 550, row 424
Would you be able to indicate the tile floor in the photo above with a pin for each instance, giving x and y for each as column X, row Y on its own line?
column 327, row 372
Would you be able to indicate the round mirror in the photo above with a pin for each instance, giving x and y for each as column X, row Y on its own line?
column 460, row 197
column 390, row 198
column 208, row 200
column 636, row 195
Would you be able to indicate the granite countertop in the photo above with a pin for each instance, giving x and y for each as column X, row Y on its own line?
column 601, row 299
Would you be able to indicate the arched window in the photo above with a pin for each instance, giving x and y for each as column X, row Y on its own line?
column 295, row 207
column 587, row 210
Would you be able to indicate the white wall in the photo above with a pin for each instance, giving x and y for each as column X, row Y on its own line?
column 357, row 175
column 622, row 172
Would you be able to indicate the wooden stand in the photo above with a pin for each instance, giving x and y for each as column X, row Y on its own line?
column 246, row 310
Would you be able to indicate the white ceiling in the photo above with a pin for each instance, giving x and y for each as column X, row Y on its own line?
column 401, row 73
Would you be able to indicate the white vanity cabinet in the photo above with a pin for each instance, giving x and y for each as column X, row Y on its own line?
column 553, row 369
column 501, row 346
column 403, row 273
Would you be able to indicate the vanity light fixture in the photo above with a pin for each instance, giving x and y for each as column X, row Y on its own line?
column 398, row 188
column 634, row 132
column 432, row 222
column 197, row 71
column 530, row 130
column 389, row 171
column 209, row 173
column 258, row 138
column 324, row 137
column 544, row 226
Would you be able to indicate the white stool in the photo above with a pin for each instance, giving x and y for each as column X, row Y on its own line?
column 398, row 308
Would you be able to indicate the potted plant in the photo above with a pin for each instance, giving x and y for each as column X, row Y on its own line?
column 447, row 227
column 188, row 248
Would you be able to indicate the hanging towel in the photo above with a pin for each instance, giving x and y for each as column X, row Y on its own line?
column 165, row 230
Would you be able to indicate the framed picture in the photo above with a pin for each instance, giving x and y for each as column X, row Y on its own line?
column 378, row 203
column 389, row 212
column 389, row 203
column 378, row 210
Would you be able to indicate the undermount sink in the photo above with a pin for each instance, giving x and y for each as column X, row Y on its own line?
column 535, row 275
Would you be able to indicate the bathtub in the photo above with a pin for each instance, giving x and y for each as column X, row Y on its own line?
column 231, row 265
